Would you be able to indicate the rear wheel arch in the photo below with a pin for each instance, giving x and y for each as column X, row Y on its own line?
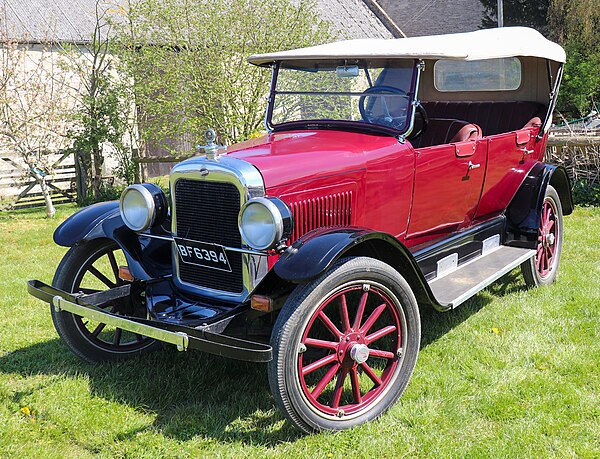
column 561, row 183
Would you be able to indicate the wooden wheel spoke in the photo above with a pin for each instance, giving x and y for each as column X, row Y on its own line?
column 381, row 354
column 380, row 334
column 318, row 390
column 371, row 374
column 98, row 329
column 339, row 388
column 361, row 310
column 373, row 318
column 344, row 314
column 117, row 338
column 105, row 280
column 330, row 325
column 311, row 342
column 355, row 385
column 540, row 259
column 113, row 265
column 318, row 364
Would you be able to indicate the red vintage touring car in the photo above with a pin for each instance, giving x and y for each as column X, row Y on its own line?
column 395, row 175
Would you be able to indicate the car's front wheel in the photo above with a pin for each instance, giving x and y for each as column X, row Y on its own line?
column 542, row 269
column 345, row 346
column 91, row 267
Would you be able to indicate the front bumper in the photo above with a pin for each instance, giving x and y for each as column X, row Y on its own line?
column 182, row 336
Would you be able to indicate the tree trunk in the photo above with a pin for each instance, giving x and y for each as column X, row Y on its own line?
column 50, row 210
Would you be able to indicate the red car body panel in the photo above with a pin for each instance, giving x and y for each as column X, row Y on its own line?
column 415, row 195
column 378, row 168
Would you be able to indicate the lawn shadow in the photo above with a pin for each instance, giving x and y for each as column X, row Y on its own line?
column 193, row 393
column 436, row 324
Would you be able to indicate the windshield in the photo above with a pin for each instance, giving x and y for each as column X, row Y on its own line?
column 371, row 94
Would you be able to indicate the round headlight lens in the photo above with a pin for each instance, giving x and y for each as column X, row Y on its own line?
column 140, row 205
column 264, row 222
column 258, row 224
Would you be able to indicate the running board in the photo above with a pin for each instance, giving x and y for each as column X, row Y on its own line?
column 460, row 284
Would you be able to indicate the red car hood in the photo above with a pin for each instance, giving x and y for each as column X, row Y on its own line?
column 298, row 156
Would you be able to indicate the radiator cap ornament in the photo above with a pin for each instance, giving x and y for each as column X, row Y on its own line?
column 211, row 149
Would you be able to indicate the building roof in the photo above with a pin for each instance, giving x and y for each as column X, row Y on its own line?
column 67, row 21
column 481, row 44
column 434, row 17
column 72, row 21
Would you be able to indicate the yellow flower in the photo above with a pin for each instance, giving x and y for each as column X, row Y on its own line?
column 26, row 411
column 496, row 330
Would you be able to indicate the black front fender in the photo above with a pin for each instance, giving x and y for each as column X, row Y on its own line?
column 147, row 258
column 316, row 251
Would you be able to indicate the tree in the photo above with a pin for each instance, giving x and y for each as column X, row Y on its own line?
column 576, row 25
column 34, row 108
column 103, row 113
column 188, row 61
column 516, row 13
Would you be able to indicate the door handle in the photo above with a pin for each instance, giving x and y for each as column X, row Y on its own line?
column 473, row 166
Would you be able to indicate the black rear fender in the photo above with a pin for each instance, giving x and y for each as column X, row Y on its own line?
column 524, row 211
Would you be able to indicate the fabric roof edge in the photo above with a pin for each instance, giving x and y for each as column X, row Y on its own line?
column 480, row 44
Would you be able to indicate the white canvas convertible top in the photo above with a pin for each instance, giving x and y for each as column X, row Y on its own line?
column 481, row 44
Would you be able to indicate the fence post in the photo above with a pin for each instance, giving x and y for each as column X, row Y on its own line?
column 80, row 178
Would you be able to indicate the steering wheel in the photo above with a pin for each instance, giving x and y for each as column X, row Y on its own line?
column 387, row 119
column 421, row 122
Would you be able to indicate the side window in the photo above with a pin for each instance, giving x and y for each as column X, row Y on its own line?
column 502, row 74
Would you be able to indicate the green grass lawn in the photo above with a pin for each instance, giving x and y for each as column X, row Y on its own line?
column 511, row 373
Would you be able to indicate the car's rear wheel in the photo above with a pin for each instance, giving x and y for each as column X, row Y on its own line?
column 87, row 268
column 542, row 269
column 345, row 346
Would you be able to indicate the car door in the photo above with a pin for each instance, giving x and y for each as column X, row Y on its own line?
column 511, row 156
column 447, row 187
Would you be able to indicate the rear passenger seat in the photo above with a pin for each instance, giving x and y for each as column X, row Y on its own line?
column 493, row 117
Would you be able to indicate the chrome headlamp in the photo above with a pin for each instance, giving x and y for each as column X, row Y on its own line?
column 143, row 206
column 264, row 222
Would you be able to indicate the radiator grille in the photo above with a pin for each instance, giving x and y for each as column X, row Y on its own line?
column 208, row 212
column 330, row 210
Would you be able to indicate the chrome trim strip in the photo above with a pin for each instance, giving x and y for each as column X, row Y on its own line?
column 249, row 182
column 228, row 249
column 180, row 339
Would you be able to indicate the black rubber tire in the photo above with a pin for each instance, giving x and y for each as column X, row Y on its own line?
column 293, row 320
column 71, row 328
column 532, row 276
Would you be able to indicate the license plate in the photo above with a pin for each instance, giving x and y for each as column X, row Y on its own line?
column 202, row 254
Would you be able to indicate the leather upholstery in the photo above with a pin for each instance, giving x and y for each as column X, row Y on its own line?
column 493, row 117
column 442, row 131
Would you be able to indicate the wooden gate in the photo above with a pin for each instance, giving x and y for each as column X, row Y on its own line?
column 19, row 189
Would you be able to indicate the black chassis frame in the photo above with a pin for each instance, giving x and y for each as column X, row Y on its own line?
column 207, row 323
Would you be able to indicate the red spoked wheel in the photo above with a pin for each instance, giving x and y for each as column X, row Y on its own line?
column 345, row 346
column 349, row 351
column 543, row 267
column 547, row 239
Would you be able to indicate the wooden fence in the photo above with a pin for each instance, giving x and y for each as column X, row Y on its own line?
column 580, row 155
column 19, row 189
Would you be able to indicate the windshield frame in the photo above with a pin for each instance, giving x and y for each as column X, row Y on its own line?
column 345, row 125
